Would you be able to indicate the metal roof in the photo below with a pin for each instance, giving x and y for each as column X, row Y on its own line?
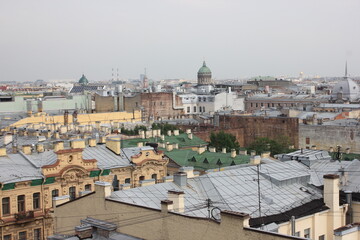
column 235, row 190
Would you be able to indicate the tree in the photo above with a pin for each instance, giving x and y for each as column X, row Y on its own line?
column 223, row 140
column 275, row 146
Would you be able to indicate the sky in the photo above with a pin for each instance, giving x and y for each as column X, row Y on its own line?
column 62, row 39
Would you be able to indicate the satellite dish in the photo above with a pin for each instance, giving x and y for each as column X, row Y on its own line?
column 215, row 213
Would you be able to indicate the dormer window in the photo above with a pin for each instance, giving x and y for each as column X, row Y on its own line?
column 147, row 154
column 70, row 159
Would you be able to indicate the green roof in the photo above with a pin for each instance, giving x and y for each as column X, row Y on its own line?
column 187, row 157
column 204, row 69
column 83, row 80
column 182, row 139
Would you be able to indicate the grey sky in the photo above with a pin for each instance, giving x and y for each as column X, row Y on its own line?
column 59, row 39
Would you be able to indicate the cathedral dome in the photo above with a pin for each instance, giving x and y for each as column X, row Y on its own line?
column 347, row 90
column 204, row 75
column 83, row 80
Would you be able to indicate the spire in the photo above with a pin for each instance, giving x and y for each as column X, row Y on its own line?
column 204, row 64
column 346, row 74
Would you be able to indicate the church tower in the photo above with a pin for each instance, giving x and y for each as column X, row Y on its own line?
column 204, row 75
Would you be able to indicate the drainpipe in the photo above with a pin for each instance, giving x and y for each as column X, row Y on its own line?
column 292, row 222
column 349, row 215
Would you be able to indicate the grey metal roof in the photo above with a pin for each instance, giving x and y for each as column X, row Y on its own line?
column 16, row 168
column 106, row 159
column 234, row 189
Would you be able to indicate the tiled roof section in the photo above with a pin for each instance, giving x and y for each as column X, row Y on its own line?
column 186, row 157
column 181, row 139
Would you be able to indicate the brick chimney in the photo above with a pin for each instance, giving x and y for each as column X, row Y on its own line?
column 331, row 200
column 103, row 188
column 177, row 197
column 167, row 206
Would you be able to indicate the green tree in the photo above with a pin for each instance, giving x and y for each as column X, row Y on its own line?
column 221, row 139
column 275, row 146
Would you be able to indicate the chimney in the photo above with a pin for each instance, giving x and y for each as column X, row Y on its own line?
column 84, row 231
column 57, row 134
column 167, row 206
column 255, row 160
column 102, row 139
column 2, row 152
column 8, row 138
column 147, row 182
column 347, row 151
column 265, row 154
column 180, row 179
column 188, row 170
column 142, row 134
column 331, row 149
column 78, row 143
column 92, row 142
column 162, row 137
column 140, row 144
column 233, row 153
column 176, row 132
column 201, row 150
column 154, row 132
column 223, row 150
column 188, row 131
column 104, row 188
column 169, row 133
column 212, row 149
column 97, row 124
column 169, row 147
column 40, row 147
column 252, row 153
column 58, row 146
column 331, row 191
column 26, row 149
column 190, row 136
column 177, row 197
column 114, row 145
column 176, row 145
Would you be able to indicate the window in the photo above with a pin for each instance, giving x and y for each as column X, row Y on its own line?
column 88, row 187
column 127, row 180
column 160, row 103
column 37, row 234
column 204, row 99
column 322, row 237
column 200, row 108
column 203, row 108
column 22, row 235
column 154, row 176
column 256, row 104
column 307, row 140
column 199, row 99
column 141, row 178
column 36, row 200
column 21, row 203
column 251, row 104
column 262, row 104
column 136, row 104
column 273, row 105
column 307, row 233
column 6, row 206
column 72, row 193
column 7, row 237
column 194, row 109
column 154, row 103
column 268, row 105
column 54, row 193
column 188, row 109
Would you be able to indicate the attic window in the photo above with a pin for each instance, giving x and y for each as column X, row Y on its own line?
column 147, row 154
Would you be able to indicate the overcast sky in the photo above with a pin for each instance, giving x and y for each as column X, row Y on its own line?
column 61, row 39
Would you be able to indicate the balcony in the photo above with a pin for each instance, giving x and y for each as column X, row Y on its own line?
column 23, row 216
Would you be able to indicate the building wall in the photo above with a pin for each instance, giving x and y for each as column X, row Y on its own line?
column 82, row 118
column 324, row 137
column 160, row 105
column 153, row 224
column 132, row 103
column 104, row 103
column 247, row 128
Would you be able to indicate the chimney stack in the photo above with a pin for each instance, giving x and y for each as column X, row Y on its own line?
column 180, row 179
column 177, row 197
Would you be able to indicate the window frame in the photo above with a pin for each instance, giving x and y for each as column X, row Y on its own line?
column 21, row 203
column 36, row 201
column 8, row 206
